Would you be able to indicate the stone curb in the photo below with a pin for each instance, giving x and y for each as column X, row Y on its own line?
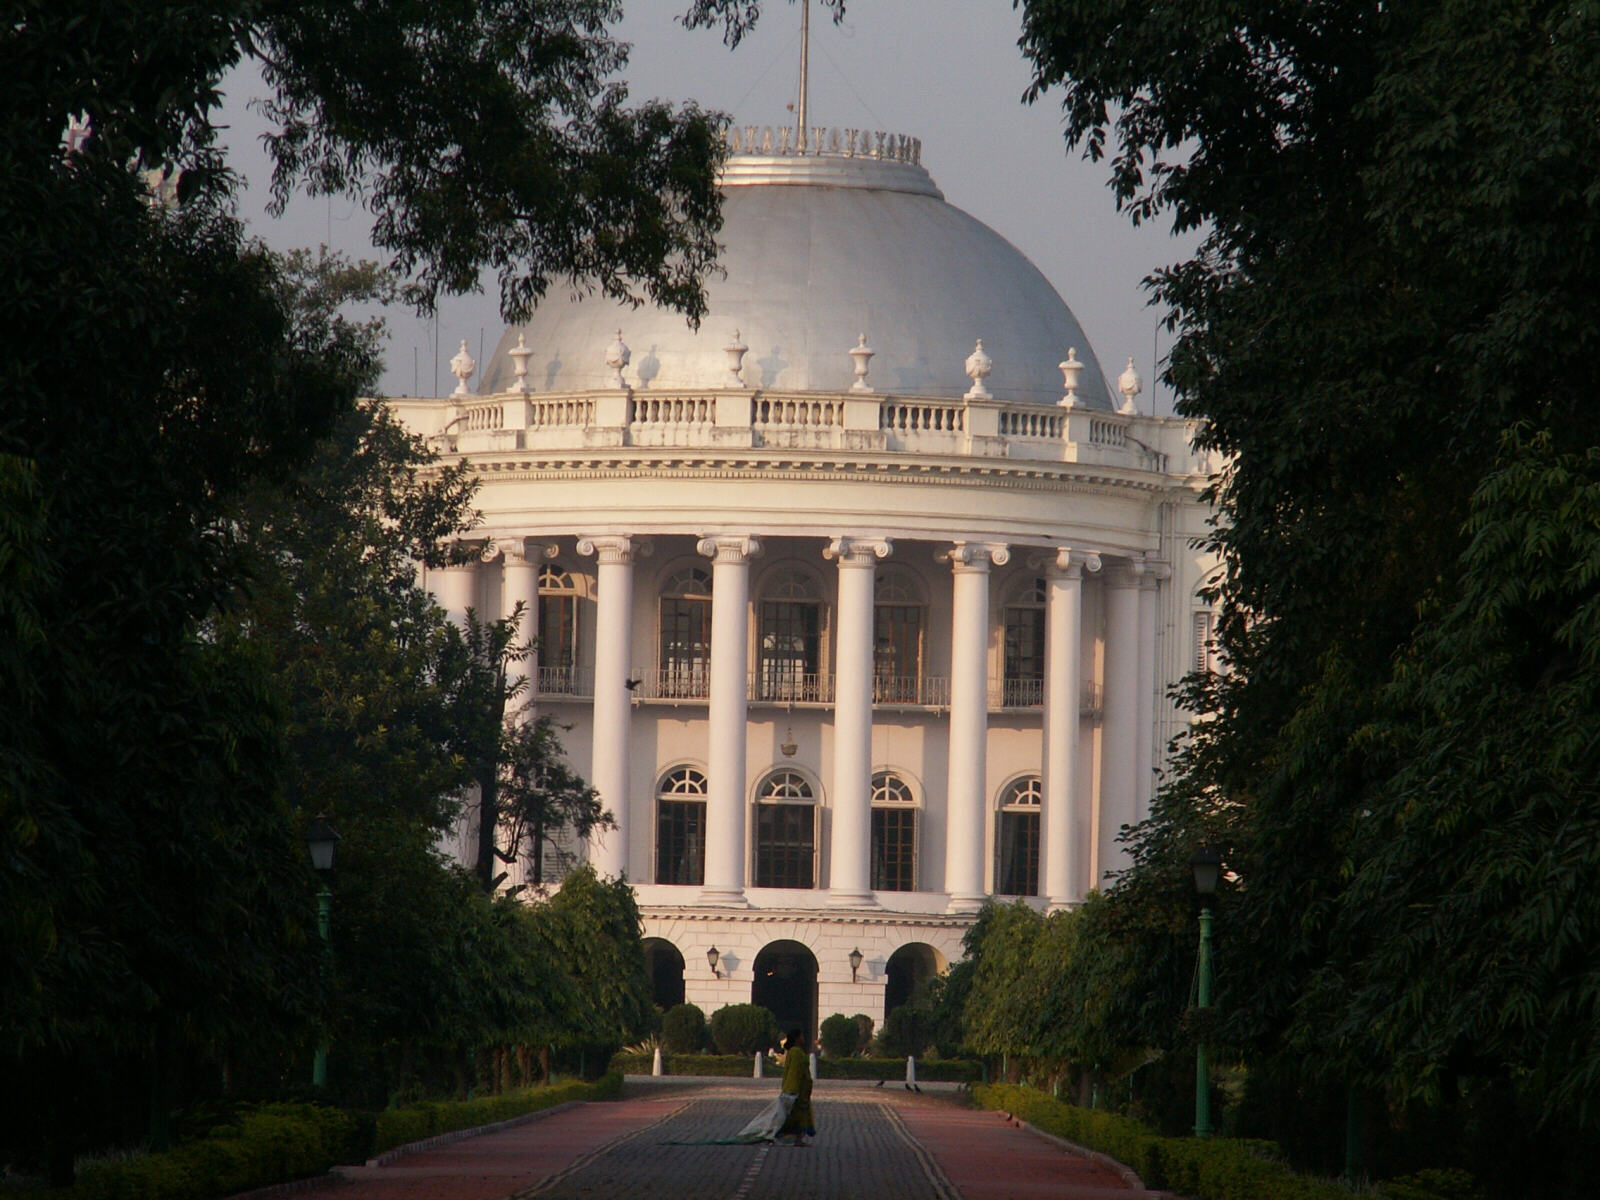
column 1127, row 1173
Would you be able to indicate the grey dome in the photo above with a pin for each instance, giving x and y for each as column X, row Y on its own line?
column 818, row 250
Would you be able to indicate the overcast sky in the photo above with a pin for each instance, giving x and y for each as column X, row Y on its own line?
column 946, row 71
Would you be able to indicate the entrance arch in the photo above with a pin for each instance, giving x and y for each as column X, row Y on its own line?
column 786, row 983
column 665, row 966
column 908, row 969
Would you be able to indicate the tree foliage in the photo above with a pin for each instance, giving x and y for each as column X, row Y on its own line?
column 1395, row 272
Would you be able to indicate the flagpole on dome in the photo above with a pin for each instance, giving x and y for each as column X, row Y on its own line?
column 805, row 54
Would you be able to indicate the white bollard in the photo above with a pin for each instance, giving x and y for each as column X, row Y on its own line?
column 655, row 1063
column 813, row 1064
column 755, row 1072
column 911, row 1069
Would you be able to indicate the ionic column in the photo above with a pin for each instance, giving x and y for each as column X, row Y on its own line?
column 850, row 878
column 725, row 756
column 1062, row 832
column 520, row 585
column 965, row 826
column 1119, row 737
column 455, row 588
column 1150, row 575
column 613, row 701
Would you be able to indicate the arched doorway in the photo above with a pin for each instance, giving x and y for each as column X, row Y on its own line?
column 786, row 983
column 665, row 965
column 908, row 968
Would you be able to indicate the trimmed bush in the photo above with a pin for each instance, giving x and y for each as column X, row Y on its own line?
column 944, row 1070
column 839, row 1034
column 730, row 1066
column 743, row 1029
column 908, row 1030
column 683, row 1029
column 864, row 1027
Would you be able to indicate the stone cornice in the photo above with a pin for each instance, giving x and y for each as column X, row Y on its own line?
column 814, row 916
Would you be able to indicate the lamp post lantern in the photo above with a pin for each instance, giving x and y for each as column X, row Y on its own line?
column 1207, row 867
column 320, row 839
column 855, row 963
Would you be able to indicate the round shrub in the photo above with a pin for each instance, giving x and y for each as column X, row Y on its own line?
column 683, row 1029
column 839, row 1034
column 863, row 1032
column 905, row 1032
column 743, row 1029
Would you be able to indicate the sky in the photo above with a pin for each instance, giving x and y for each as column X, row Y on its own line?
column 946, row 71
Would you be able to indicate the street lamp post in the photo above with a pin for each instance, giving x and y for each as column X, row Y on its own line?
column 320, row 838
column 1207, row 866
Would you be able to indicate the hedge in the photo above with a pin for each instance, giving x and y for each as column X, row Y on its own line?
column 271, row 1144
column 944, row 1070
column 733, row 1066
column 1212, row 1169
column 401, row 1126
column 278, row 1143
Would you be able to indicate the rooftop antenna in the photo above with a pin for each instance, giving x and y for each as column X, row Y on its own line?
column 805, row 54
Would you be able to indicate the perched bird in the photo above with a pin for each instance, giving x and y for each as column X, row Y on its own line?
column 878, row 1084
column 916, row 1087
column 908, row 1087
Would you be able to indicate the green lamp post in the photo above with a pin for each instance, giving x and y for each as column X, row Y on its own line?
column 320, row 838
column 1207, row 867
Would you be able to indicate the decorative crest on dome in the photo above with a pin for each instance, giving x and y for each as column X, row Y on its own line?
column 462, row 366
column 824, row 142
column 618, row 356
column 1130, row 385
column 979, row 365
column 519, row 360
column 735, row 350
column 862, row 356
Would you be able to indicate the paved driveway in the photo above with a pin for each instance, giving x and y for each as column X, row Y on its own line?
column 875, row 1143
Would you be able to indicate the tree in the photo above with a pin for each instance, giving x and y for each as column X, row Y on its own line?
column 1393, row 273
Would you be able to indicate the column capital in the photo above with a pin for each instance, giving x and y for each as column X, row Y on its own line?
column 858, row 552
column 1150, row 571
column 974, row 556
column 1067, row 563
column 729, row 548
column 1122, row 571
column 615, row 548
column 528, row 552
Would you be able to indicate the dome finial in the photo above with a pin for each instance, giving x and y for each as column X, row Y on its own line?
column 462, row 366
column 519, row 363
column 617, row 356
column 1071, row 369
column 979, row 365
column 735, row 350
column 1130, row 385
column 862, row 356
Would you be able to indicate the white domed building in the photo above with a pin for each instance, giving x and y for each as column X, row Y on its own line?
column 862, row 602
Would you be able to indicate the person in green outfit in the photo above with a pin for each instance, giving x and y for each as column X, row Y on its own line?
column 797, row 1082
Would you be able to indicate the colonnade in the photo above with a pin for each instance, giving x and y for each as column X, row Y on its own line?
column 1127, row 757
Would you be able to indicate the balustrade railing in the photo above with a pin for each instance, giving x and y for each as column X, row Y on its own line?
column 678, row 683
column 782, row 687
column 792, row 412
column 1031, row 422
column 565, row 681
column 902, row 416
column 645, row 409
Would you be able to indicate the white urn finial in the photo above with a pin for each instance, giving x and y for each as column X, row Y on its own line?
column 462, row 366
column 735, row 350
column 618, row 356
column 1071, row 369
column 1130, row 385
column 519, row 363
column 862, row 356
column 979, row 365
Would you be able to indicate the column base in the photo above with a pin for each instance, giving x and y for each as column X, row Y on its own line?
column 965, row 902
column 723, row 897
column 841, row 898
column 1060, row 904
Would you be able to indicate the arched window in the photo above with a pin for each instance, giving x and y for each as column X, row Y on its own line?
column 558, row 631
column 786, row 831
column 1017, row 842
column 685, row 657
column 894, row 834
column 681, row 827
column 791, row 640
column 899, row 619
column 1023, row 682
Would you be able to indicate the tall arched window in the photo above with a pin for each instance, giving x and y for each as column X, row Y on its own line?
column 791, row 640
column 894, row 834
column 685, row 649
column 899, row 619
column 786, row 831
column 558, row 631
column 1024, row 647
column 1016, row 870
column 681, row 827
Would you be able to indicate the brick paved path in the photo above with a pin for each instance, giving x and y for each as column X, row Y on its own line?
column 882, row 1144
